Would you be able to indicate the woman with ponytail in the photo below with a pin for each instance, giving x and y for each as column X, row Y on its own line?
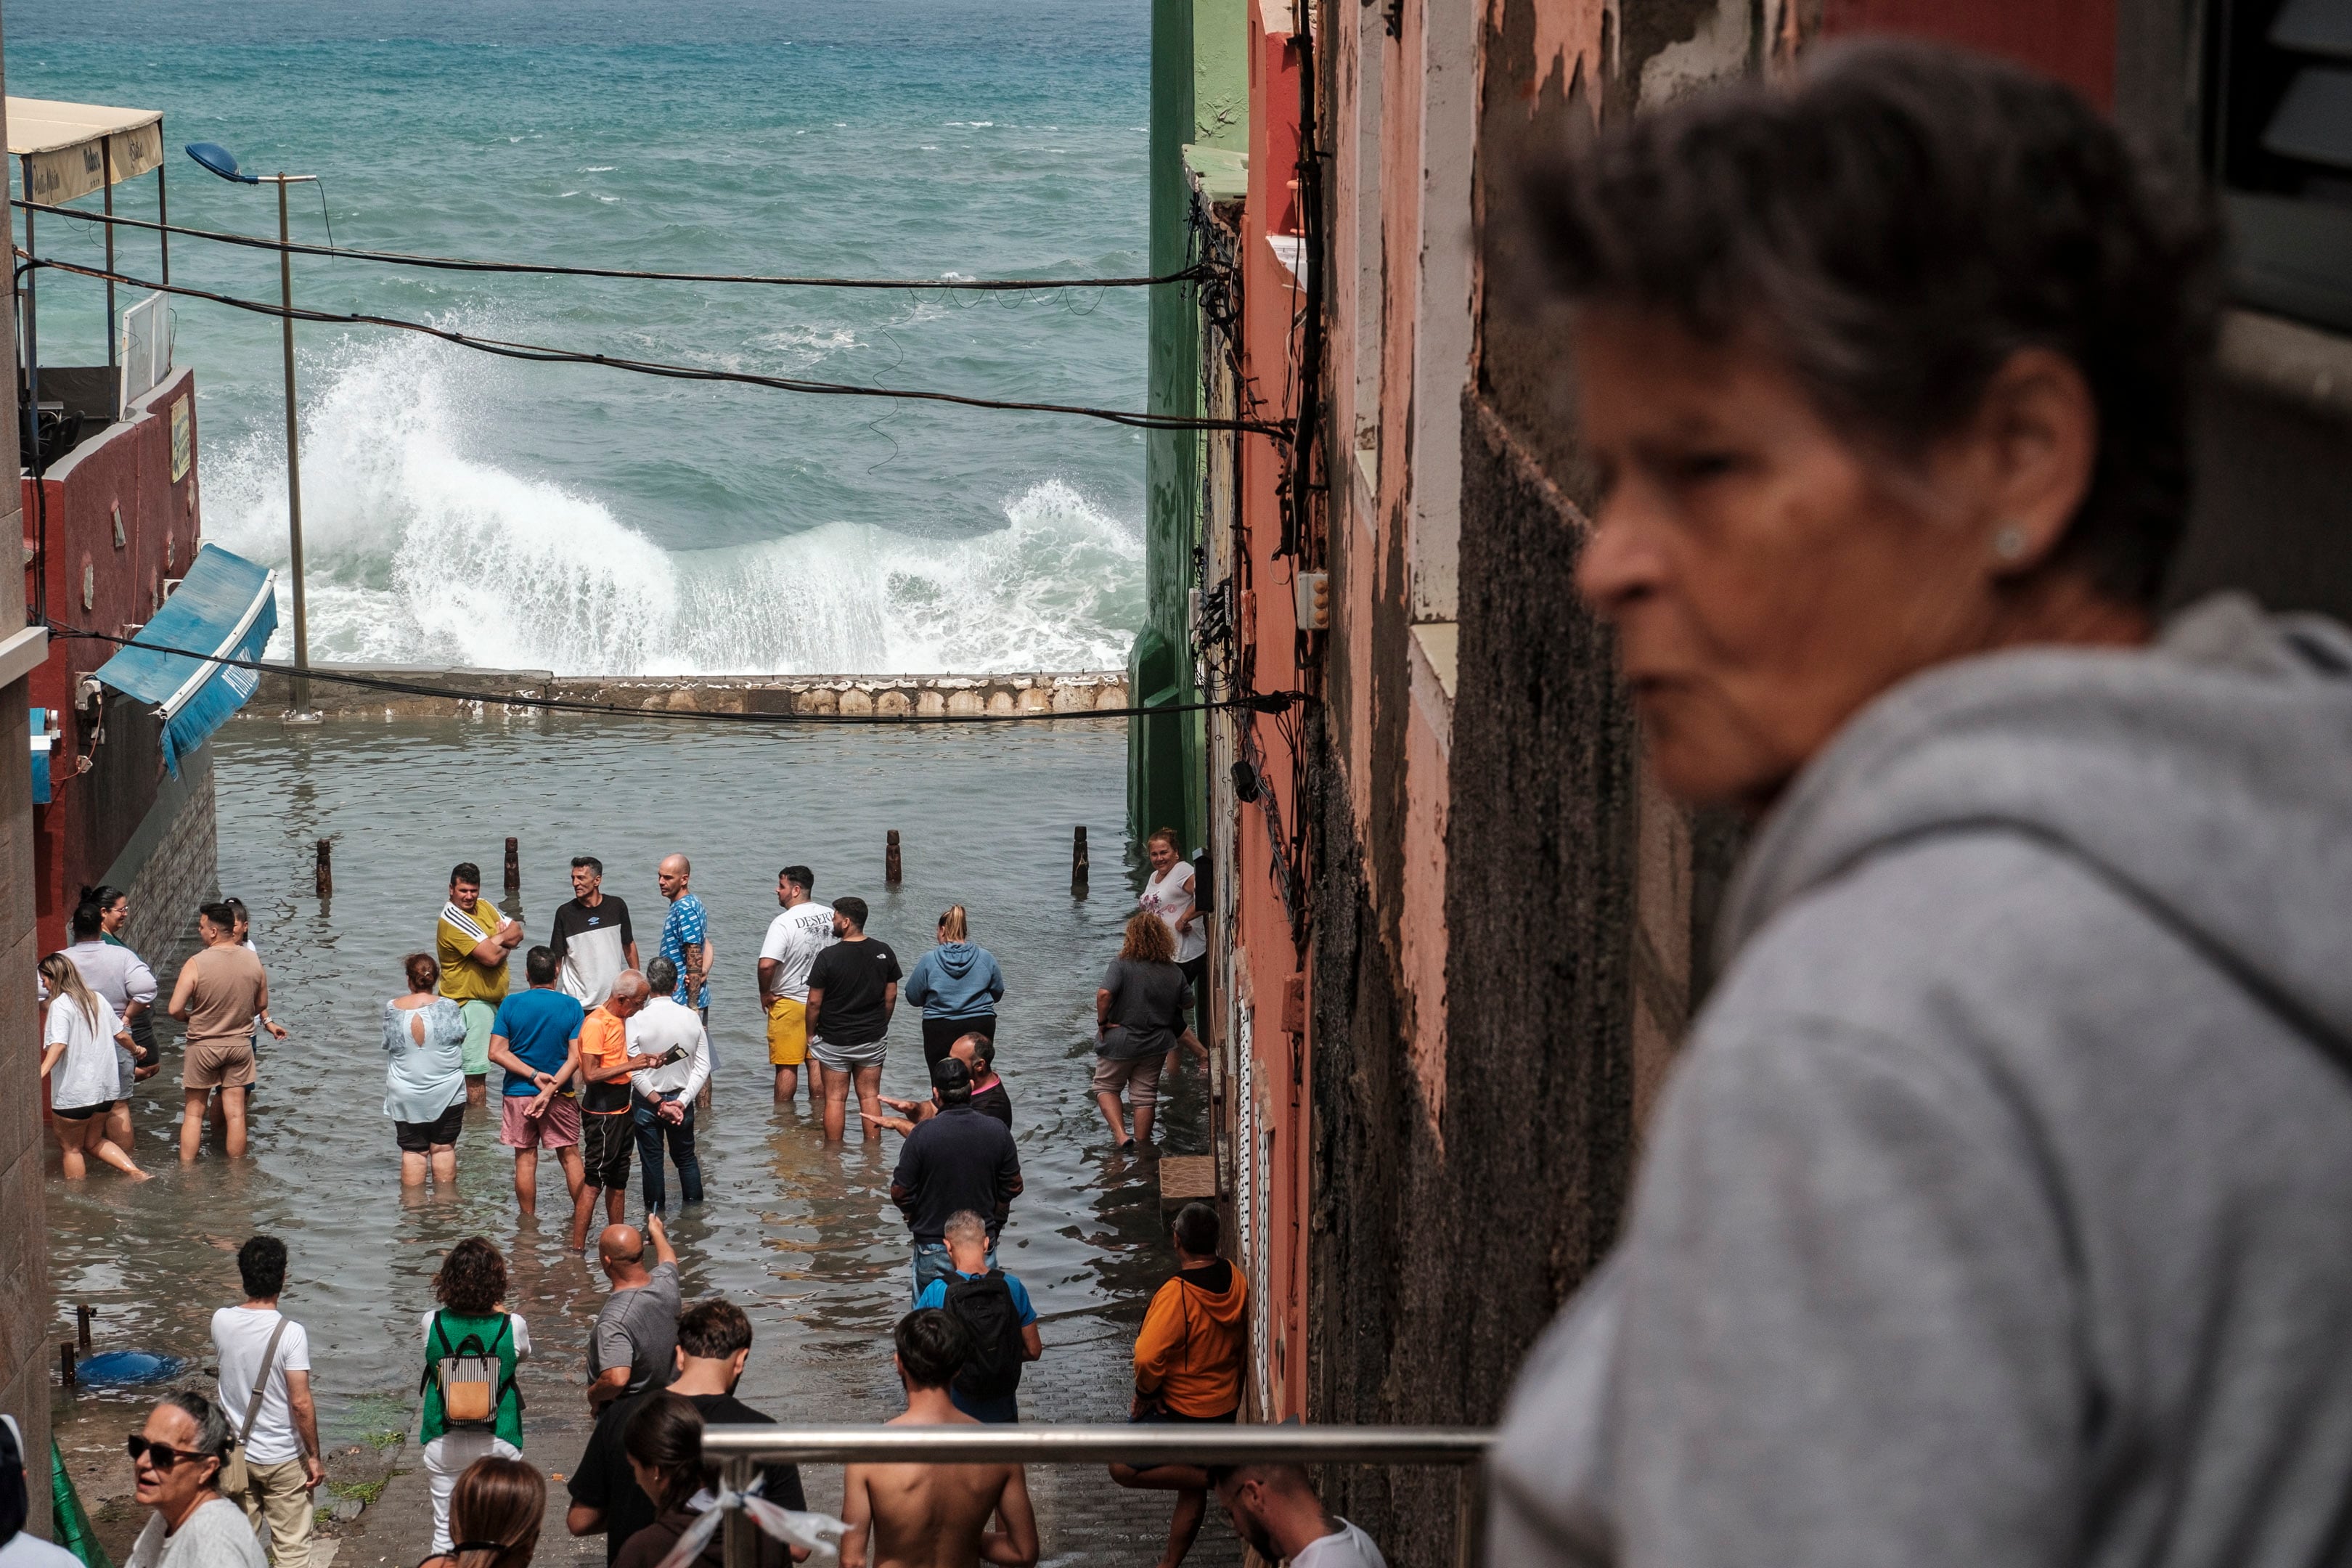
column 79, row 1040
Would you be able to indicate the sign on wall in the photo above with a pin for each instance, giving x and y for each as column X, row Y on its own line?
column 184, row 440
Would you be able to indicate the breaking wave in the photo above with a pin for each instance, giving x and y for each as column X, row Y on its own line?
column 421, row 552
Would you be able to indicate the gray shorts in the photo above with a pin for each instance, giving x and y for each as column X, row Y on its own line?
column 842, row 1058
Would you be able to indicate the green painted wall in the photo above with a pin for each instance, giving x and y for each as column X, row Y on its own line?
column 1200, row 94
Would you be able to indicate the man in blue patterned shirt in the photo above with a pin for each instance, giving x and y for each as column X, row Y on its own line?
column 686, row 936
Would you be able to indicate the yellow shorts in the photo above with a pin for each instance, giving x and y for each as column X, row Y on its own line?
column 787, row 1033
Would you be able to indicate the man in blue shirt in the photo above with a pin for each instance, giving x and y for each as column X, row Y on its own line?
column 536, row 1038
column 994, row 1307
column 686, row 936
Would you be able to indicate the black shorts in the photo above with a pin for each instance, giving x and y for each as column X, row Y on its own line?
column 605, row 1140
column 419, row 1137
column 940, row 1035
column 80, row 1112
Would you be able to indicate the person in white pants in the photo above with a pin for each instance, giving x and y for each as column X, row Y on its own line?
column 470, row 1286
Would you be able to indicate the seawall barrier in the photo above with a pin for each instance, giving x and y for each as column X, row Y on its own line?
column 487, row 692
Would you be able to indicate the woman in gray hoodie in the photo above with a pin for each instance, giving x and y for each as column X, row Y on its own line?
column 1999, row 1207
column 957, row 986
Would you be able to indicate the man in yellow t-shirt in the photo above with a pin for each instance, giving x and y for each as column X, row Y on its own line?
column 472, row 941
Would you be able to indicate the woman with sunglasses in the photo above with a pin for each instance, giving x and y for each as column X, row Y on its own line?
column 175, row 1462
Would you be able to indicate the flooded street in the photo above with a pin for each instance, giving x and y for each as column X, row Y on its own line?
column 802, row 1236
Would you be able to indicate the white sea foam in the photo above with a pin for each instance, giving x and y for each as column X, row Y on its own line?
column 421, row 551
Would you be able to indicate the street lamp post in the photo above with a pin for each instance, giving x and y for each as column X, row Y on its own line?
column 218, row 159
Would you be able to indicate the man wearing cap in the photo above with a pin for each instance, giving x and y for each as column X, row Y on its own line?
column 955, row 1160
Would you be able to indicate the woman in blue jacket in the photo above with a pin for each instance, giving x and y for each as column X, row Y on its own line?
column 957, row 984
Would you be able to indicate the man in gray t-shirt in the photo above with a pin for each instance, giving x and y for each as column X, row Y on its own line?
column 634, row 1346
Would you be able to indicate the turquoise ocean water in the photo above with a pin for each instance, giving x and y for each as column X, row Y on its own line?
column 462, row 509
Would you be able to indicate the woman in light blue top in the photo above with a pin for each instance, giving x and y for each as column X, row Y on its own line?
column 425, row 1085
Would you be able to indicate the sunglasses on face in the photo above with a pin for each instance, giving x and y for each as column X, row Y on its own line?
column 163, row 1455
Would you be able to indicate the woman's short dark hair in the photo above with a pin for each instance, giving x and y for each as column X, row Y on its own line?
column 666, row 1434
column 472, row 1280
column 1894, row 223
column 424, row 971
column 1197, row 1230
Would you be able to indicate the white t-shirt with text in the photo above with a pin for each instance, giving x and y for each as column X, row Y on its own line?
column 795, row 939
column 240, row 1336
column 1169, row 895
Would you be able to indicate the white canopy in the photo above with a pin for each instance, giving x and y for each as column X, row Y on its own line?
column 72, row 148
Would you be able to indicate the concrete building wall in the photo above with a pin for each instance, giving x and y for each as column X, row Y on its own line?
column 1464, row 1008
column 118, row 528
column 26, row 1352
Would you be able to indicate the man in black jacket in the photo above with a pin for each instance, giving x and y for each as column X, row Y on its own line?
column 956, row 1160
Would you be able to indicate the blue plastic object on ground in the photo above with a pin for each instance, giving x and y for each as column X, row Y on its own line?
column 116, row 1369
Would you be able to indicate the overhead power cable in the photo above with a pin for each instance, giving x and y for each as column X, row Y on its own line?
column 460, row 264
column 506, row 348
column 1264, row 703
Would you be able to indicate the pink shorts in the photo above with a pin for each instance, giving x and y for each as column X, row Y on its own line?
column 556, row 1127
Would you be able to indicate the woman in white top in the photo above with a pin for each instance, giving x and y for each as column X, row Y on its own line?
column 1169, row 895
column 425, row 1081
column 77, row 1044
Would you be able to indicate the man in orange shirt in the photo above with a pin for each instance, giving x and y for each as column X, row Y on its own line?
column 1188, row 1364
column 606, row 1130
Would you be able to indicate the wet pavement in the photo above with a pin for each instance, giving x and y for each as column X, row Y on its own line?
column 801, row 1235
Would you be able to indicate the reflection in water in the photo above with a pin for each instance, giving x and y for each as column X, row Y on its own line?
column 802, row 1236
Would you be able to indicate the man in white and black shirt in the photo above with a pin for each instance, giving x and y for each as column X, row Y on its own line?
column 795, row 937
column 592, row 941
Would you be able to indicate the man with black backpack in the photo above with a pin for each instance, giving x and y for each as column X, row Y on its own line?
column 993, row 1308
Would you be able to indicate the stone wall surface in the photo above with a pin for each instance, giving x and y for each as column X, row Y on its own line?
column 26, row 1352
column 883, row 696
column 182, row 871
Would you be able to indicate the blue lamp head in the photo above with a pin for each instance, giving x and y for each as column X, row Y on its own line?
column 220, row 160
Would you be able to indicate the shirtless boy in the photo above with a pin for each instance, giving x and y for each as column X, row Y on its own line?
column 934, row 1516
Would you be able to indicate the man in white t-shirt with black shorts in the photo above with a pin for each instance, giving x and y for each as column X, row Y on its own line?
column 282, row 1465
column 795, row 937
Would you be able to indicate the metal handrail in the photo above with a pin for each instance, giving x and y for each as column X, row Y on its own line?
column 1045, row 1445
column 744, row 1447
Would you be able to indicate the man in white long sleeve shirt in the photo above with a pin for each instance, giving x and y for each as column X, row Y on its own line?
column 662, row 1098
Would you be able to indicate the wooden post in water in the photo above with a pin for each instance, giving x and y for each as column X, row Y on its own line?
column 65, row 1362
column 1078, row 863
column 83, row 1313
column 326, row 868
column 514, row 866
column 890, row 859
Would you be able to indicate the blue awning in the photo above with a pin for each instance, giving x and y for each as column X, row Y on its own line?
column 42, row 741
column 225, row 607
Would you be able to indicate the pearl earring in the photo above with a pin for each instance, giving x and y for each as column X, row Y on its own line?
column 2009, row 542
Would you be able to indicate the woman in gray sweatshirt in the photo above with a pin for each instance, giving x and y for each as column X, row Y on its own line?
column 1999, row 1210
